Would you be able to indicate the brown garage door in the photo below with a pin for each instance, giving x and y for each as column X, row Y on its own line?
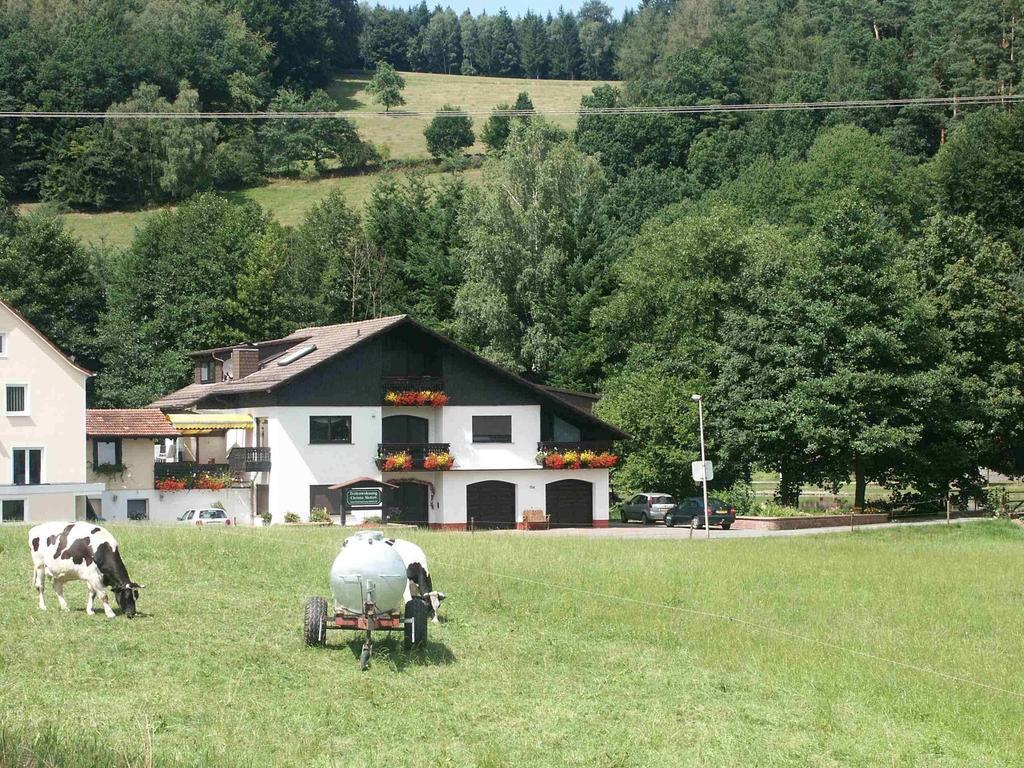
column 570, row 503
column 491, row 504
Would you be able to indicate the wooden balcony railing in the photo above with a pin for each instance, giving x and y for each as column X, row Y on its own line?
column 254, row 459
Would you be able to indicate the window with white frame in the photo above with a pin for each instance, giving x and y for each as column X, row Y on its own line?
column 27, row 466
column 3, row 344
column 16, row 400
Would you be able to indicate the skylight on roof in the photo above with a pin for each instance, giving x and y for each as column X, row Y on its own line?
column 295, row 354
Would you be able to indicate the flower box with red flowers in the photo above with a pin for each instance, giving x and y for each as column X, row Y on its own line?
column 428, row 397
column 572, row 459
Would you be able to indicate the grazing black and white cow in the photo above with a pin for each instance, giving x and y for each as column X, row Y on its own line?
column 419, row 583
column 81, row 551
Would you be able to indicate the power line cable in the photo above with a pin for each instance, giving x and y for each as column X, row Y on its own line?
column 691, row 109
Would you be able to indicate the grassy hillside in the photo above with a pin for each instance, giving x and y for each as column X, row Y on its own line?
column 428, row 92
column 551, row 652
column 287, row 199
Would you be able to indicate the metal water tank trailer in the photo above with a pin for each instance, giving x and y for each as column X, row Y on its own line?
column 367, row 569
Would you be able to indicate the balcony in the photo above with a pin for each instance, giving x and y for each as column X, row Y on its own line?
column 597, row 446
column 413, row 390
column 256, row 459
column 418, row 456
column 187, row 469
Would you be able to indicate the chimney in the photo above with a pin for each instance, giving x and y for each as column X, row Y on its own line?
column 244, row 361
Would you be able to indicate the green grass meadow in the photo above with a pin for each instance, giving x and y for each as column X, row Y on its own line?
column 428, row 92
column 523, row 672
column 288, row 200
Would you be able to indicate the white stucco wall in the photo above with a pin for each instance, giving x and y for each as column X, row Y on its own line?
column 297, row 464
column 165, row 507
column 457, row 430
column 56, row 402
column 137, row 458
column 530, row 490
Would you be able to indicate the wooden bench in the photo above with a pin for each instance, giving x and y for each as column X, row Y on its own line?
column 535, row 520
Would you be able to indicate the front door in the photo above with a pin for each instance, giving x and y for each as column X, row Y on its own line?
column 405, row 429
column 407, row 503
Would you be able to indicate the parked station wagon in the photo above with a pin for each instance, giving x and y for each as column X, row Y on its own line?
column 647, row 507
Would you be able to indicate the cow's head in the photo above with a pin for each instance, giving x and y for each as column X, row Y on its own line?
column 126, row 597
column 434, row 601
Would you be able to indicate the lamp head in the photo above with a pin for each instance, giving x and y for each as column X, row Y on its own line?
column 695, row 398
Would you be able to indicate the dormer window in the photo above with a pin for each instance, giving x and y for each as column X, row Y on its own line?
column 206, row 372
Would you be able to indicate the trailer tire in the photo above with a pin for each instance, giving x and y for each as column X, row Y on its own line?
column 415, row 623
column 314, row 625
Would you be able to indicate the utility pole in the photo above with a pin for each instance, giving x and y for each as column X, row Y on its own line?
column 704, row 463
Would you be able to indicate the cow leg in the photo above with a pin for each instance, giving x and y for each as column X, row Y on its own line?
column 58, row 588
column 40, row 585
column 106, row 604
column 88, row 605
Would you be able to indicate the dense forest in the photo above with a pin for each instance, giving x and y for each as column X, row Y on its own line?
column 845, row 287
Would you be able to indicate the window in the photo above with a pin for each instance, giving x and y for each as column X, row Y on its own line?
column 206, row 371
column 28, row 466
column 16, row 401
column 330, row 429
column 138, row 509
column 106, row 452
column 13, row 511
column 492, row 429
column 3, row 345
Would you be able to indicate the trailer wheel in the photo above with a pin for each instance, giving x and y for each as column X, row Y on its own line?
column 314, row 625
column 415, row 623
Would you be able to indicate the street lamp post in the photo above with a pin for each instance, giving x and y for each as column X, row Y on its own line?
column 703, row 463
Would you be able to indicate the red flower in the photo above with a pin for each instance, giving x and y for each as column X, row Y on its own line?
column 554, row 461
column 439, row 399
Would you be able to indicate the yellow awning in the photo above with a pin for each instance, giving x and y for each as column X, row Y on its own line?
column 199, row 423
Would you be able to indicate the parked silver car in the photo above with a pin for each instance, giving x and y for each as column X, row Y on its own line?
column 647, row 507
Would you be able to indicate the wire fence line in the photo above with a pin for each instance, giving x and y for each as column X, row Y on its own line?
column 682, row 109
column 725, row 618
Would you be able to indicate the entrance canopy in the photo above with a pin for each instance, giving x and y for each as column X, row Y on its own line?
column 208, row 423
column 361, row 481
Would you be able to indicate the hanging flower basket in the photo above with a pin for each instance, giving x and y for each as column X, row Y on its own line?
column 429, row 397
column 577, row 459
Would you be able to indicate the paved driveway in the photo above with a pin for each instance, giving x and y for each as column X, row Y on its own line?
column 637, row 531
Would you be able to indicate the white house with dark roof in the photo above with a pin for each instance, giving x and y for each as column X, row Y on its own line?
column 42, row 427
column 389, row 418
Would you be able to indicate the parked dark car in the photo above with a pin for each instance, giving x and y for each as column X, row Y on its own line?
column 689, row 512
column 647, row 507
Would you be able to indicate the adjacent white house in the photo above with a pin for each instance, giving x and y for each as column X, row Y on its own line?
column 42, row 427
column 387, row 418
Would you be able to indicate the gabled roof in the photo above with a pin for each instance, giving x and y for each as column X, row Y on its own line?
column 329, row 341
column 46, row 340
column 128, row 422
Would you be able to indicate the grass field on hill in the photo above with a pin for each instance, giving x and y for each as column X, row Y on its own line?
column 287, row 199
column 527, row 672
column 426, row 92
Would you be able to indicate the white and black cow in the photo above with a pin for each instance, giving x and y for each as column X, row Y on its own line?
column 72, row 551
column 419, row 584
